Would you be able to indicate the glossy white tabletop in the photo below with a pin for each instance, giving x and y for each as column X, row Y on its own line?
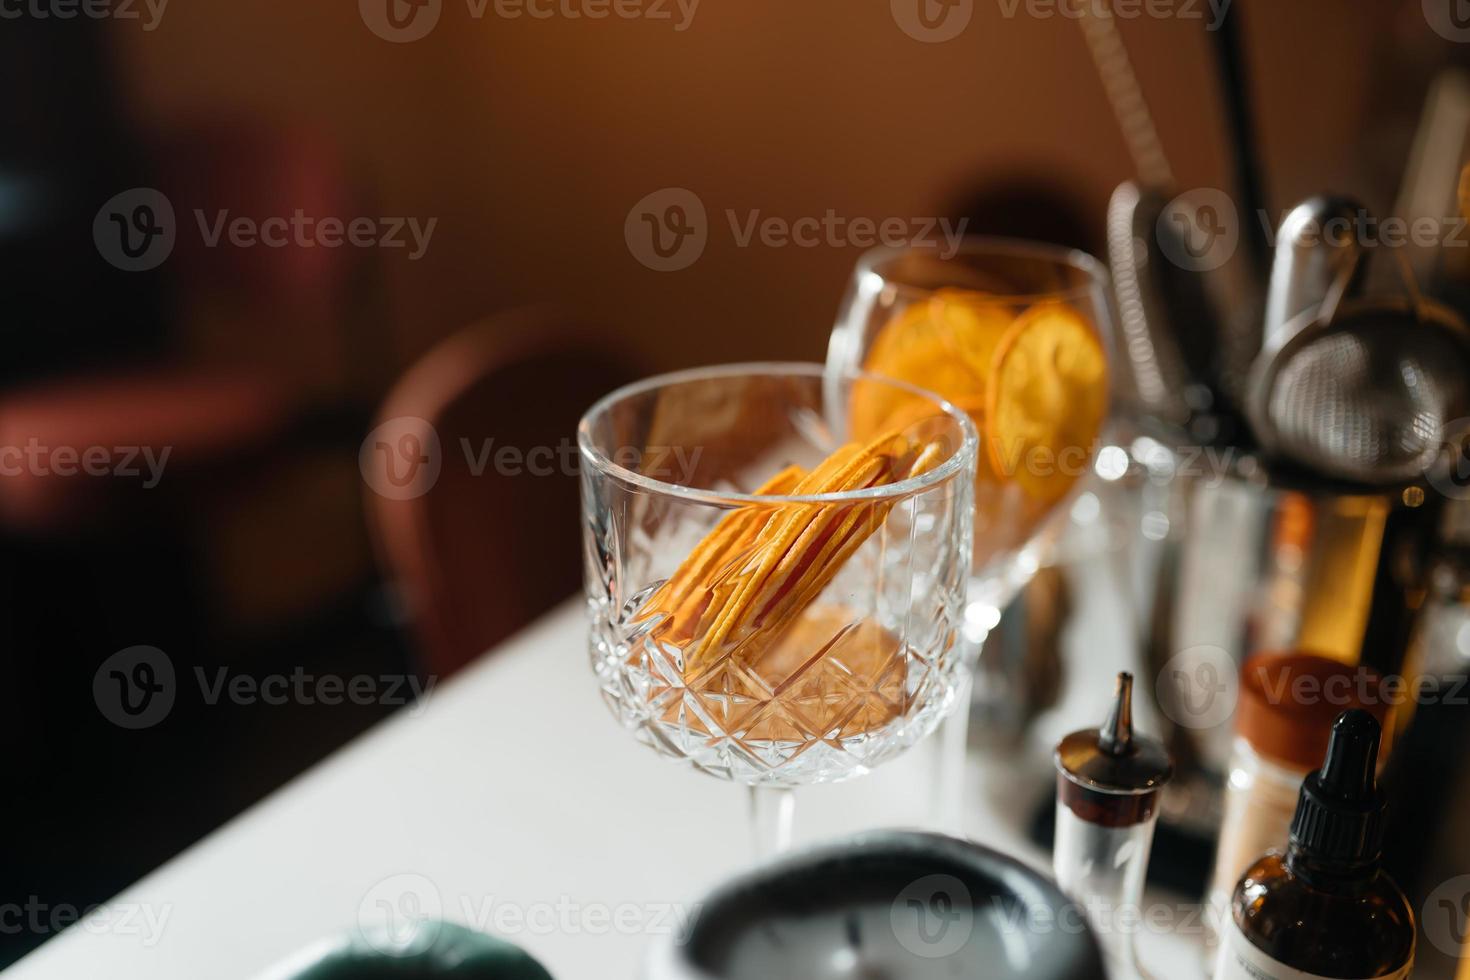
column 512, row 802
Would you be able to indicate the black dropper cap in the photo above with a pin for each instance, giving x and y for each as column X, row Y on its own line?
column 1339, row 815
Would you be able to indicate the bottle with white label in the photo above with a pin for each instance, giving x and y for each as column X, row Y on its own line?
column 1324, row 909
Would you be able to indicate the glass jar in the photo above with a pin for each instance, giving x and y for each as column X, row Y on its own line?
column 1260, row 798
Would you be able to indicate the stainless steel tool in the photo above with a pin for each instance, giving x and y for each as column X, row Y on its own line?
column 1154, row 360
column 1353, row 388
column 1180, row 310
column 1316, row 253
column 1430, row 178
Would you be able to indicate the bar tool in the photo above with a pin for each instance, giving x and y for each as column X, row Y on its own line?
column 1355, row 388
column 1108, row 785
column 1316, row 253
column 1245, row 160
column 1169, row 328
column 1187, row 315
column 1166, row 320
column 1429, row 182
column 1237, row 288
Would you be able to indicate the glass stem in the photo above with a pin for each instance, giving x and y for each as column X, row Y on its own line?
column 951, row 744
column 772, row 816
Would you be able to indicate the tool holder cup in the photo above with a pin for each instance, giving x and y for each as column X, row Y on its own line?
column 1273, row 559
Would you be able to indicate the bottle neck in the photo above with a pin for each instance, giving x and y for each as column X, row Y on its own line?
column 1329, row 875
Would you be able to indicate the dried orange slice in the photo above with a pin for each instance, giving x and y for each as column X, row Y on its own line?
column 945, row 345
column 972, row 326
column 1047, row 400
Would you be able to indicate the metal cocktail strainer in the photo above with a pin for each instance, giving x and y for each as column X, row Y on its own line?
column 1355, row 388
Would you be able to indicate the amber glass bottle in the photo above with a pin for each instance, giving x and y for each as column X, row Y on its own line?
column 1324, row 909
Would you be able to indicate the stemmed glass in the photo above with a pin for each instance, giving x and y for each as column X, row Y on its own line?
column 749, row 620
column 1017, row 334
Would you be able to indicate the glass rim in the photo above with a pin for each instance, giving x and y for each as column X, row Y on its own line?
column 957, row 461
column 1063, row 256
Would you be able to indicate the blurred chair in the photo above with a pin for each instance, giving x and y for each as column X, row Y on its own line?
column 494, row 540
column 137, row 423
column 310, row 314
column 221, row 392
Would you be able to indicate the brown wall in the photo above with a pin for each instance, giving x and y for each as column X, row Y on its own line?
column 530, row 140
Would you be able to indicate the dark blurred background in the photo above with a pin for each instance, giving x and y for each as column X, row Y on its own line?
column 262, row 549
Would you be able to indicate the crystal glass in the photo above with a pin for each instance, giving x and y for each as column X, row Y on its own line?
column 968, row 312
column 845, row 651
column 1017, row 334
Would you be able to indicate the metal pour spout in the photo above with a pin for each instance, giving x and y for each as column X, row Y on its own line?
column 1116, row 735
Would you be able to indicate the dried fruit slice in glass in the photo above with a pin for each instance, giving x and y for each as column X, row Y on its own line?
column 1047, row 399
column 800, row 549
column 683, row 598
column 945, row 345
column 973, row 327
column 792, row 544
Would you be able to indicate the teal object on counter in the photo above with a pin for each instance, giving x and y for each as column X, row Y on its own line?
column 438, row 951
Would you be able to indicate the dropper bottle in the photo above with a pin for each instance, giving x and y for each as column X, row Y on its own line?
column 1108, row 785
column 1324, row 909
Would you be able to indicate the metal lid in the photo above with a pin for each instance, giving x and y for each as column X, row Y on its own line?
column 1115, row 758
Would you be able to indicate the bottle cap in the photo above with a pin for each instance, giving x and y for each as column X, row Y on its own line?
column 1288, row 702
column 1115, row 758
column 1339, row 815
